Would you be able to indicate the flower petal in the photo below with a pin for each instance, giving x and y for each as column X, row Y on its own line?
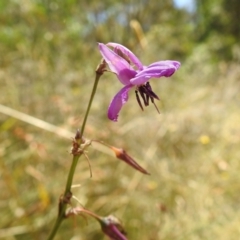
column 117, row 102
column 117, row 64
column 155, row 70
column 170, row 63
column 128, row 53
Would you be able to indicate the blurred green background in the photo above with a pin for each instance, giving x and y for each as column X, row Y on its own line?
column 48, row 55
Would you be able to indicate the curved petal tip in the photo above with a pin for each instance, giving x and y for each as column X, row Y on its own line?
column 117, row 103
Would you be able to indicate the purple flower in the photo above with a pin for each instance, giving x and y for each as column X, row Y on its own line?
column 131, row 73
column 112, row 228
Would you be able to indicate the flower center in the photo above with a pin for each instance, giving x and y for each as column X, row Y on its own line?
column 146, row 93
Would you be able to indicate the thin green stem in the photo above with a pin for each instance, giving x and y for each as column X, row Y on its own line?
column 90, row 103
column 55, row 228
column 62, row 207
column 67, row 194
column 71, row 173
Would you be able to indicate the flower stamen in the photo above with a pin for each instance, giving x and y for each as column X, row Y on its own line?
column 142, row 91
column 146, row 93
column 139, row 100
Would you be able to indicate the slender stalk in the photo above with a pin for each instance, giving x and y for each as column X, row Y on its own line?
column 55, row 228
column 64, row 200
column 71, row 174
column 62, row 207
column 90, row 103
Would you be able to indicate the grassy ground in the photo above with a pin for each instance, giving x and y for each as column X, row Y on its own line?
column 191, row 149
